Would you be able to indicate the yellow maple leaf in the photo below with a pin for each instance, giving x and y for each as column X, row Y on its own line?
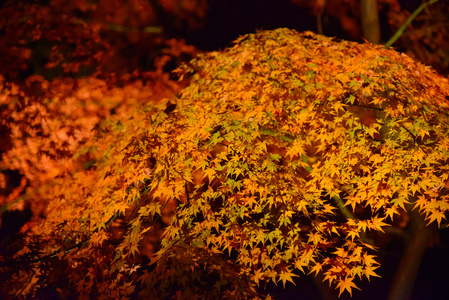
column 436, row 214
column 369, row 271
column 376, row 223
column 286, row 276
column 316, row 268
column 257, row 275
column 346, row 284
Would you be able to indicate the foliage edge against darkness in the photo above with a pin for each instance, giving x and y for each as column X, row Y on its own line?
column 282, row 157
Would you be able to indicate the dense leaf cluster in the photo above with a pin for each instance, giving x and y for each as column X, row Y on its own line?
column 281, row 156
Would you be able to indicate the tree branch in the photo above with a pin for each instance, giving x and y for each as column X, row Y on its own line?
column 401, row 29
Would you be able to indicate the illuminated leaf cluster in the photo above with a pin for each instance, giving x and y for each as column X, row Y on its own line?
column 300, row 125
column 281, row 156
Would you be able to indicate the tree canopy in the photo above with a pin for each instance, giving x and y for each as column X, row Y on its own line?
column 282, row 156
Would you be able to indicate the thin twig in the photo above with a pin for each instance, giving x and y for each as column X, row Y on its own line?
column 401, row 29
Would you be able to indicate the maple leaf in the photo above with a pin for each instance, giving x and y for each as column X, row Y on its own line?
column 376, row 223
column 346, row 284
column 285, row 276
column 369, row 259
column 353, row 233
column 316, row 268
column 258, row 274
column 369, row 271
column 437, row 215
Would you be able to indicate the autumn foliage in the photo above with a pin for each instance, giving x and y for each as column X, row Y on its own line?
column 281, row 158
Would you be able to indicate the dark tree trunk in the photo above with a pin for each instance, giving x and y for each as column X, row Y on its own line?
column 416, row 244
column 370, row 21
